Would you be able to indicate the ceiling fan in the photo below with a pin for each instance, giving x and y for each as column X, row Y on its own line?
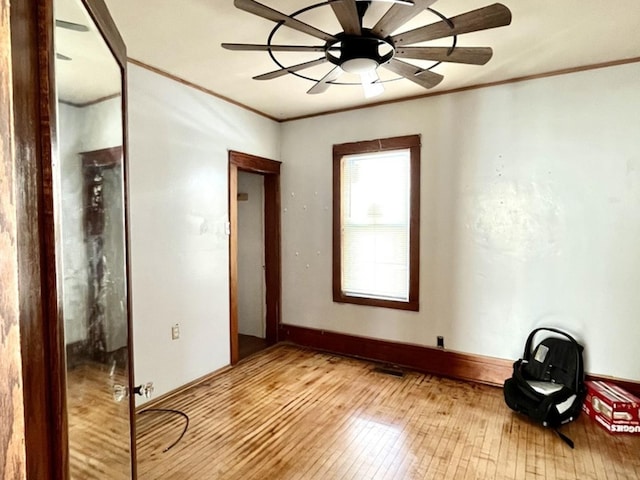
column 359, row 50
column 76, row 27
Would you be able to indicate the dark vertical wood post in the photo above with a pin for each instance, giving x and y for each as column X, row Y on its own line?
column 94, row 165
column 31, row 44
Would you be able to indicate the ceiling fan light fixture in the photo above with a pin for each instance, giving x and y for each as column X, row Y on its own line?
column 408, row 3
column 360, row 66
column 371, row 85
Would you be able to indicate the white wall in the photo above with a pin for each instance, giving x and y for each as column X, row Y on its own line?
column 75, row 267
column 83, row 129
column 179, row 139
column 530, row 216
column 251, row 280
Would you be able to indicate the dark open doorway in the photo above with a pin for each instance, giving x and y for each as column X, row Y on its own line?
column 270, row 171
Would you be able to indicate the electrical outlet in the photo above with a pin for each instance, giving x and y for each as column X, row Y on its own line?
column 440, row 341
column 175, row 332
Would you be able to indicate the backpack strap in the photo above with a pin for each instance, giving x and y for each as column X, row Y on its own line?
column 564, row 438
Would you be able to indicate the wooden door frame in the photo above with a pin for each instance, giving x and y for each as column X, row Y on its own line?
column 42, row 349
column 270, row 170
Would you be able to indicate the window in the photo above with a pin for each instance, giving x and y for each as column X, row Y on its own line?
column 376, row 222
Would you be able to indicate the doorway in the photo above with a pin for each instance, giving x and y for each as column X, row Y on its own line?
column 266, row 290
column 251, row 278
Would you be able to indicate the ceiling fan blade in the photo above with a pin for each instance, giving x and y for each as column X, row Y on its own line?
column 347, row 13
column 424, row 78
column 263, row 11
column 76, row 27
column 496, row 15
column 469, row 55
column 293, row 68
column 252, row 47
column 398, row 15
column 323, row 84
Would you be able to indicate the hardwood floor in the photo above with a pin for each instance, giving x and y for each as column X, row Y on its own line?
column 292, row 413
column 99, row 434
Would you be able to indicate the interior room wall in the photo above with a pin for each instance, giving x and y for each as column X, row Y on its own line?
column 251, row 280
column 82, row 129
column 74, row 256
column 179, row 139
column 530, row 216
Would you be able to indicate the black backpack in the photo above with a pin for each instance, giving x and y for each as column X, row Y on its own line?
column 547, row 383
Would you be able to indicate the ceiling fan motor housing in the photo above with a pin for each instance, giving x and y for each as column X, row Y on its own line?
column 358, row 52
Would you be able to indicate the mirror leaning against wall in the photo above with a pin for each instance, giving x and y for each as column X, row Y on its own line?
column 91, row 247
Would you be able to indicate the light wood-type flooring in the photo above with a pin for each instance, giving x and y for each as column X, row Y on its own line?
column 99, row 434
column 292, row 413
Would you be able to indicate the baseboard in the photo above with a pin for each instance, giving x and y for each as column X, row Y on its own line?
column 437, row 361
column 77, row 353
column 81, row 353
column 155, row 402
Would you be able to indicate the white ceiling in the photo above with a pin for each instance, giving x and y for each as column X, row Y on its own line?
column 183, row 38
column 91, row 73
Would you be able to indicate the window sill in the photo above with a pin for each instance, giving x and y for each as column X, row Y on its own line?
column 411, row 305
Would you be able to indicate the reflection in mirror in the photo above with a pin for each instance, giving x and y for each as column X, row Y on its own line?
column 89, row 196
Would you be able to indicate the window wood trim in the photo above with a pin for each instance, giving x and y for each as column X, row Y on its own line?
column 412, row 142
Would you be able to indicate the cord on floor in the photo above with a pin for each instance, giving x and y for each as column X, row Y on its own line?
column 170, row 410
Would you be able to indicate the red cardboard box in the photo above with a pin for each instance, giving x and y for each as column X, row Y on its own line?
column 614, row 409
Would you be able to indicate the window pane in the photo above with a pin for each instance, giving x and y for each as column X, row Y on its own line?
column 375, row 224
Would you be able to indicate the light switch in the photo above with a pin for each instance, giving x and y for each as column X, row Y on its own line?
column 175, row 332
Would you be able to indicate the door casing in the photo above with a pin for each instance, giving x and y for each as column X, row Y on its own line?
column 270, row 170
